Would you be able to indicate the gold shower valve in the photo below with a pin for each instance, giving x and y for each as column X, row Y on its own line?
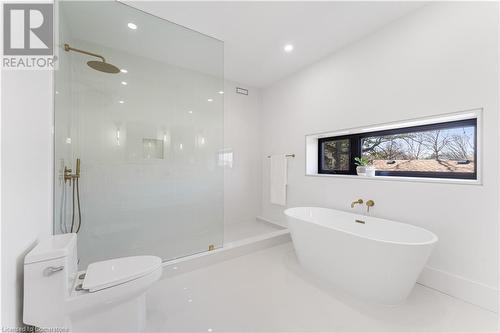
column 68, row 175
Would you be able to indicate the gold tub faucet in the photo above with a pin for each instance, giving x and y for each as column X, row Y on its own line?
column 359, row 201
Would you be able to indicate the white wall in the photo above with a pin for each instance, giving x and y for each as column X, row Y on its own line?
column 242, row 181
column 26, row 177
column 442, row 58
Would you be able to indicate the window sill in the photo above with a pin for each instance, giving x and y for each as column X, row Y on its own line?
column 404, row 179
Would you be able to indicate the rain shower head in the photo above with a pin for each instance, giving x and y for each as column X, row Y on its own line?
column 101, row 66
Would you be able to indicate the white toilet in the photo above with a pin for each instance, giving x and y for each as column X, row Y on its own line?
column 108, row 296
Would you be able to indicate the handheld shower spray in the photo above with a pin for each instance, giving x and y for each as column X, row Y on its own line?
column 74, row 179
column 77, row 168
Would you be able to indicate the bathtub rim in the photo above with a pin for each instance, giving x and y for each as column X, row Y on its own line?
column 434, row 239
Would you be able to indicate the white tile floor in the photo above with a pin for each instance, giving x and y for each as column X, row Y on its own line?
column 238, row 231
column 268, row 291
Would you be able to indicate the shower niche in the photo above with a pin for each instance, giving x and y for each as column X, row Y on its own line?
column 152, row 149
column 146, row 135
column 144, row 141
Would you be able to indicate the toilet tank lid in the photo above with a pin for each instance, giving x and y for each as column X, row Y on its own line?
column 56, row 246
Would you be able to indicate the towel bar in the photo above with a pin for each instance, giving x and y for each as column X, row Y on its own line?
column 287, row 155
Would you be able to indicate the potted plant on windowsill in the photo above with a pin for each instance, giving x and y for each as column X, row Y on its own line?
column 364, row 167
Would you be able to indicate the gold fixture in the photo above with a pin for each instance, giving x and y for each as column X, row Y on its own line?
column 359, row 201
column 101, row 66
column 68, row 175
column 74, row 180
column 211, row 247
column 369, row 203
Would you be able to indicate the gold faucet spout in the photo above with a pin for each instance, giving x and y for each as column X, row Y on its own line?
column 359, row 201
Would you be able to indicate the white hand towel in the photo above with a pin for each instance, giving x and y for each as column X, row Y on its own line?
column 278, row 179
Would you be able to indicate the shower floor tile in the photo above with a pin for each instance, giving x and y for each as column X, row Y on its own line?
column 238, row 231
column 269, row 291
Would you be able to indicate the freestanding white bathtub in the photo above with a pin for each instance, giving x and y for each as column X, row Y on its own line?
column 374, row 259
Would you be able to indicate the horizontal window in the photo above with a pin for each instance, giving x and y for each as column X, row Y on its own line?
column 442, row 150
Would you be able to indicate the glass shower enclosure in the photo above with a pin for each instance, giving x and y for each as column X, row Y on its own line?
column 145, row 118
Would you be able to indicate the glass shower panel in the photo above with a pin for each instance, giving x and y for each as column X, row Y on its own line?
column 149, row 137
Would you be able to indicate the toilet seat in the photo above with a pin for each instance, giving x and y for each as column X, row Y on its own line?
column 109, row 273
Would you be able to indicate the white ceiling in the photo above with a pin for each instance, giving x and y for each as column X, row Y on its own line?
column 155, row 39
column 254, row 33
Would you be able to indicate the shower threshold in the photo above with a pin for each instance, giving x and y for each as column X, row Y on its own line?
column 229, row 251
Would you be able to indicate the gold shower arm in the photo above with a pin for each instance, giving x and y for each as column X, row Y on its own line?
column 68, row 48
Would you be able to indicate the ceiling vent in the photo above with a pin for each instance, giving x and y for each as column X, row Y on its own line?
column 242, row 91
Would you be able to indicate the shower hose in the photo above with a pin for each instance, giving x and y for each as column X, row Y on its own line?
column 76, row 186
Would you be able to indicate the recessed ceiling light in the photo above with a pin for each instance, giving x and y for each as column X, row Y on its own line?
column 123, row 70
column 221, row 92
column 210, row 100
column 288, row 48
column 121, row 102
column 132, row 26
column 124, row 83
column 190, row 112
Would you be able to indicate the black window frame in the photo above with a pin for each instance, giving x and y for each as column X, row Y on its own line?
column 356, row 150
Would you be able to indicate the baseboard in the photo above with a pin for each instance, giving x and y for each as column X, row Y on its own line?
column 456, row 286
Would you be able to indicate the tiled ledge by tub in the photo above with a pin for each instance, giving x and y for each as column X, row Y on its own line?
column 229, row 251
